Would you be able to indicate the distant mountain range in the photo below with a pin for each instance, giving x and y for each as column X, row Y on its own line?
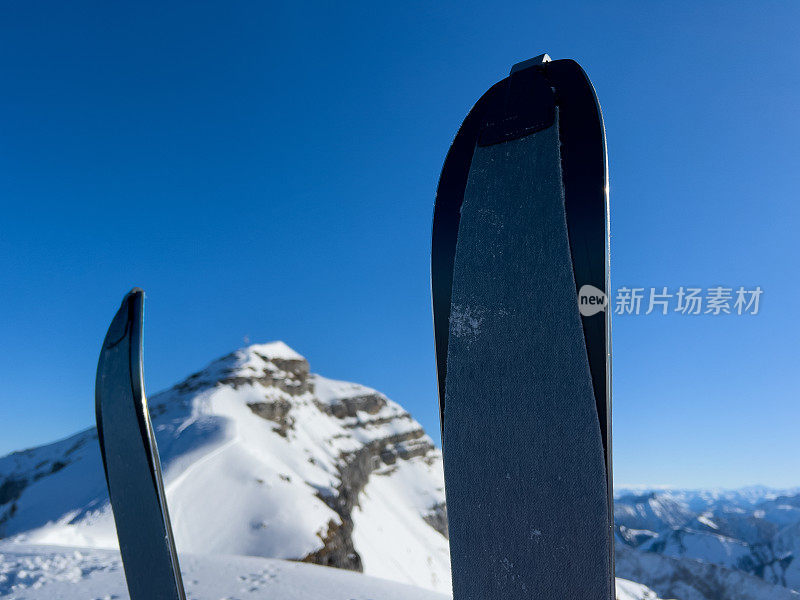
column 711, row 544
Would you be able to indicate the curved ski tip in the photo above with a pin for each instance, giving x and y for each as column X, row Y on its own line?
column 136, row 294
column 536, row 61
column 129, row 312
column 135, row 301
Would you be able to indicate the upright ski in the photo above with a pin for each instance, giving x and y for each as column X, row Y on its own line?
column 131, row 463
column 520, row 239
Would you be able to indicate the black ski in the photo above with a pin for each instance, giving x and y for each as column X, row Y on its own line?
column 520, row 233
column 131, row 462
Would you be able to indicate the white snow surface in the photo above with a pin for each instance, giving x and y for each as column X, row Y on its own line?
column 386, row 514
column 61, row 573
column 51, row 573
column 628, row 590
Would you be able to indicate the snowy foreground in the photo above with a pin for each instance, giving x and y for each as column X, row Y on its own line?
column 57, row 573
column 42, row 572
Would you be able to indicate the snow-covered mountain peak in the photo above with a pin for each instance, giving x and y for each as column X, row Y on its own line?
column 271, row 350
column 262, row 363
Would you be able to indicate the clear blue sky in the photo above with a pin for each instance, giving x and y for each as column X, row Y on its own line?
column 269, row 171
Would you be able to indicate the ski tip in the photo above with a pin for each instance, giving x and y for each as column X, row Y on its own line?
column 536, row 61
column 128, row 315
column 135, row 296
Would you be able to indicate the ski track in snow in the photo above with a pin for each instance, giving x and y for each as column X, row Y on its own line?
column 207, row 458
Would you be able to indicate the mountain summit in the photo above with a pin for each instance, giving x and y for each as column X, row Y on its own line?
column 260, row 457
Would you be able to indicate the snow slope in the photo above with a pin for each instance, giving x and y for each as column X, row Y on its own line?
column 385, row 514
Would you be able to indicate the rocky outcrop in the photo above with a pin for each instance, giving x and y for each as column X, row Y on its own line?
column 276, row 411
column 356, row 469
column 337, row 550
column 437, row 518
column 370, row 404
column 288, row 374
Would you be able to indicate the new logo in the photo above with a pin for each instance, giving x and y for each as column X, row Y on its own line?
column 591, row 300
